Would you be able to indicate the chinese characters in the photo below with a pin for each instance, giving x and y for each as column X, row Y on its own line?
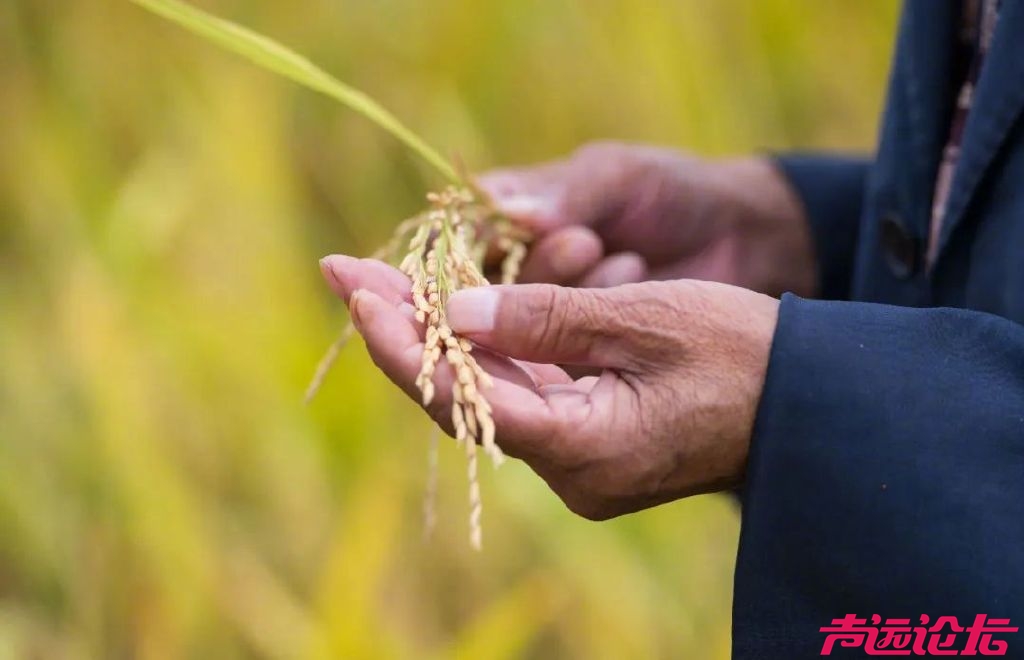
column 944, row 636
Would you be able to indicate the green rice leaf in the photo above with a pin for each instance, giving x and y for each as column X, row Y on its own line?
column 271, row 55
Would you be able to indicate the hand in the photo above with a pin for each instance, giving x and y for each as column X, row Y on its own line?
column 615, row 213
column 670, row 415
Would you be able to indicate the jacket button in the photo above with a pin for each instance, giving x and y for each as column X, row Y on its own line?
column 899, row 246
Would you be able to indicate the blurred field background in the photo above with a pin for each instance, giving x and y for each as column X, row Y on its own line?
column 163, row 492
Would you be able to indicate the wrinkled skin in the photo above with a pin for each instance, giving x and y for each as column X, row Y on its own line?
column 681, row 362
column 616, row 213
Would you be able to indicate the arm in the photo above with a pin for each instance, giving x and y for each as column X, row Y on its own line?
column 831, row 190
column 886, row 473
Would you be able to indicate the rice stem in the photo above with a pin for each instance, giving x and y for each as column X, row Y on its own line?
column 273, row 56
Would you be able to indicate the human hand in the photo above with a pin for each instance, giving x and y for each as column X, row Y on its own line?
column 614, row 213
column 671, row 414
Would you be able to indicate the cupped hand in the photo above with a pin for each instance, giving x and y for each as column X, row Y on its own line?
column 682, row 364
column 614, row 213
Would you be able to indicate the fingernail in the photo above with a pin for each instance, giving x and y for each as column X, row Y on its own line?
column 337, row 266
column 472, row 310
column 524, row 206
column 339, row 271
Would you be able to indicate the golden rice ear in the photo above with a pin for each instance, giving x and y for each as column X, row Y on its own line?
column 515, row 252
column 439, row 266
column 430, row 492
column 440, row 260
column 445, row 251
column 475, row 503
column 459, row 422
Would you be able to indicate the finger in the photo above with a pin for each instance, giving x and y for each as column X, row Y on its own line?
column 584, row 189
column 559, row 325
column 530, row 195
column 518, row 373
column 545, row 374
column 345, row 274
column 497, row 365
column 391, row 338
column 584, row 400
column 622, row 268
column 563, row 256
column 524, row 419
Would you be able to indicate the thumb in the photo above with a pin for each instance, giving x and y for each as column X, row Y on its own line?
column 531, row 195
column 547, row 323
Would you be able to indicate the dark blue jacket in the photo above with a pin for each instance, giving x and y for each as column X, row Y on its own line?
column 886, row 471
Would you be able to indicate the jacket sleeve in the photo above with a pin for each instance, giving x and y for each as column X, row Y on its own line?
column 886, row 474
column 831, row 189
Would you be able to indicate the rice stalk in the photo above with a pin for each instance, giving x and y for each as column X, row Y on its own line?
column 446, row 247
column 440, row 261
column 430, row 492
column 275, row 57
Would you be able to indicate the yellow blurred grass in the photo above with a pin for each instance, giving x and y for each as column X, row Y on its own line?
column 163, row 493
